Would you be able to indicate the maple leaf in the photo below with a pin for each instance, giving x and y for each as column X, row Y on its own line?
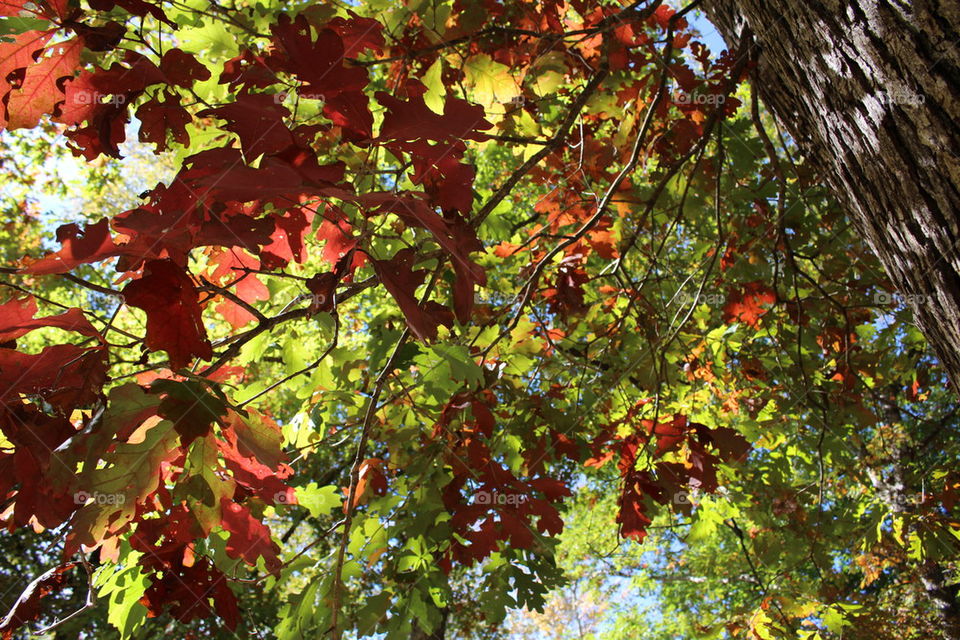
column 171, row 302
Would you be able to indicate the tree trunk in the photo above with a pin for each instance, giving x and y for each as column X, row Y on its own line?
column 870, row 90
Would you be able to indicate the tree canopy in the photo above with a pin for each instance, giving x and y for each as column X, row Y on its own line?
column 443, row 318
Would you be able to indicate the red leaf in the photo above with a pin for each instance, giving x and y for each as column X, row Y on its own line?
column 232, row 271
column 288, row 238
column 134, row 7
column 257, row 118
column 16, row 319
column 662, row 16
column 631, row 515
column 273, row 180
column 371, row 479
column 669, row 434
column 9, row 8
column 247, row 69
column 65, row 375
column 174, row 323
column 86, row 96
column 747, row 304
column 24, row 472
column 252, row 451
column 452, row 233
column 82, row 246
column 159, row 116
column 19, row 54
column 351, row 111
column 249, row 538
column 323, row 287
column 187, row 591
column 552, row 488
column 182, row 69
column 398, row 276
column 358, row 34
column 566, row 297
column 234, row 267
column 730, row 444
column 414, row 120
column 338, row 234
column 104, row 134
column 318, row 63
column 41, row 89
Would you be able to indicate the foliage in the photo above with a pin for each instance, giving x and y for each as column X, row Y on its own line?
column 412, row 318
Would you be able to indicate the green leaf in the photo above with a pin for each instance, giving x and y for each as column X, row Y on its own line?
column 319, row 501
column 490, row 81
column 17, row 25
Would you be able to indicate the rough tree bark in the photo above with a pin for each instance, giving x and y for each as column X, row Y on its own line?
column 870, row 90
